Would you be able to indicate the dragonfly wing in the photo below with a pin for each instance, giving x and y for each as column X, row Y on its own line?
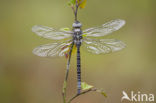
column 102, row 46
column 105, row 29
column 53, row 49
column 50, row 33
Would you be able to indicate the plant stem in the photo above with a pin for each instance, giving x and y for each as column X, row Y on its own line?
column 66, row 75
column 84, row 92
column 75, row 9
column 77, row 6
column 68, row 62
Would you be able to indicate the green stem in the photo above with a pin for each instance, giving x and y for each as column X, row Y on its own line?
column 68, row 63
column 84, row 92
column 66, row 75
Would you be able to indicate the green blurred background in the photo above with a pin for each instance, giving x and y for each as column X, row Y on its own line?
column 26, row 78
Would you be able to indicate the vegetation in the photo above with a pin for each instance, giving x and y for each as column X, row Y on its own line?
column 75, row 5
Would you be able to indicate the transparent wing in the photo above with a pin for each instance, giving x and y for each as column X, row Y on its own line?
column 53, row 49
column 105, row 29
column 102, row 46
column 50, row 33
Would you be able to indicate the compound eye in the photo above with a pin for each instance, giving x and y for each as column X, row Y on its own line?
column 77, row 25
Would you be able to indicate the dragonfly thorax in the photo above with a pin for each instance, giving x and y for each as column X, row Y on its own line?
column 77, row 33
column 77, row 36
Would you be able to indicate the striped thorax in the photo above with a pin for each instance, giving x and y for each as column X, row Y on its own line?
column 77, row 36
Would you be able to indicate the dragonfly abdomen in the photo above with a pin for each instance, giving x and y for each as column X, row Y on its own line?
column 78, row 71
column 77, row 37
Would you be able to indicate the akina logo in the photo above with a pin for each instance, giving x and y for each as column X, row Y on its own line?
column 137, row 97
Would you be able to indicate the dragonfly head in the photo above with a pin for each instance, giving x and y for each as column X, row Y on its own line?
column 77, row 24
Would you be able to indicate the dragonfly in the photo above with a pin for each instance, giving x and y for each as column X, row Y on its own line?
column 89, row 40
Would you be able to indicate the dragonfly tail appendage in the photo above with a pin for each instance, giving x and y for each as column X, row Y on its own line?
column 78, row 71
